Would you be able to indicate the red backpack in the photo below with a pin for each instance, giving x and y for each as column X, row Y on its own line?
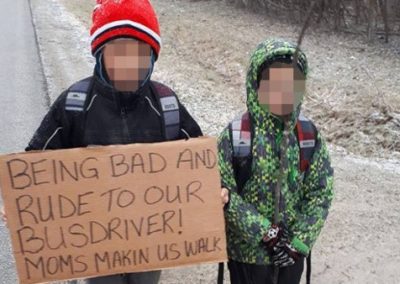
column 241, row 137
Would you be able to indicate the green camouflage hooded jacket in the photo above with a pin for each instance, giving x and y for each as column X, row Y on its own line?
column 305, row 198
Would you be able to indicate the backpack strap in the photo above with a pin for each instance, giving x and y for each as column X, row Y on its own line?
column 240, row 132
column 241, row 135
column 305, row 130
column 75, row 108
column 170, row 115
column 308, row 273
column 306, row 135
column 77, row 94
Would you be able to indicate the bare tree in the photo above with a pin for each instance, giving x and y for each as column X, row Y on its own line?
column 372, row 16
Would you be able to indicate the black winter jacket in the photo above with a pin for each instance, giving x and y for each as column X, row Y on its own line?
column 110, row 117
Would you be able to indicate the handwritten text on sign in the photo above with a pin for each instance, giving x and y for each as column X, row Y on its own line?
column 97, row 211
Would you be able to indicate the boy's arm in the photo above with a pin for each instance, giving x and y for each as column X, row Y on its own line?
column 189, row 126
column 317, row 192
column 241, row 216
column 53, row 130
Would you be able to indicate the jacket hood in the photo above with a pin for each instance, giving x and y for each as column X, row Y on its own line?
column 266, row 53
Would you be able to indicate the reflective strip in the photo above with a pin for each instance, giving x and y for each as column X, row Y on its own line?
column 133, row 24
column 307, row 143
column 91, row 102
column 75, row 101
column 184, row 131
column 73, row 108
column 152, row 106
column 51, row 137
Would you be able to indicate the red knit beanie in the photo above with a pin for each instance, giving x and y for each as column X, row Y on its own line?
column 114, row 19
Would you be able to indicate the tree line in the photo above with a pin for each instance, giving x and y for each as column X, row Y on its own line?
column 373, row 18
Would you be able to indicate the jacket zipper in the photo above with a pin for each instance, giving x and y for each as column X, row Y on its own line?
column 126, row 133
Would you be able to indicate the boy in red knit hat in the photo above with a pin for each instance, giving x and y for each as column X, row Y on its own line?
column 119, row 104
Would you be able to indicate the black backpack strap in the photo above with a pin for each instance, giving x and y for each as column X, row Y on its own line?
column 220, row 277
column 170, row 113
column 308, row 273
column 75, row 108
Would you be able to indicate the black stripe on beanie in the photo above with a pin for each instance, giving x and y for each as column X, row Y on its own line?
column 126, row 26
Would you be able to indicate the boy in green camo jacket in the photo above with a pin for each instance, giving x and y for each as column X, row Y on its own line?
column 273, row 157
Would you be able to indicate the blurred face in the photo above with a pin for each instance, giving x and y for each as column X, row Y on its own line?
column 279, row 92
column 127, row 63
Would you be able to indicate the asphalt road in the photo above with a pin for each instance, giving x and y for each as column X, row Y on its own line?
column 22, row 95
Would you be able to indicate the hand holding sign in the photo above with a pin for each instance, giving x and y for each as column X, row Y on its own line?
column 224, row 195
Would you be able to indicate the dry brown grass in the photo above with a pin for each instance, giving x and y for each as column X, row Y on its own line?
column 352, row 88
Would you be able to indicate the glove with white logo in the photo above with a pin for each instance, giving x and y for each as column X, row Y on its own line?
column 277, row 243
column 272, row 237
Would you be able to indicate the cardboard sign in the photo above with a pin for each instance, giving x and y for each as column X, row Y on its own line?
column 87, row 212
